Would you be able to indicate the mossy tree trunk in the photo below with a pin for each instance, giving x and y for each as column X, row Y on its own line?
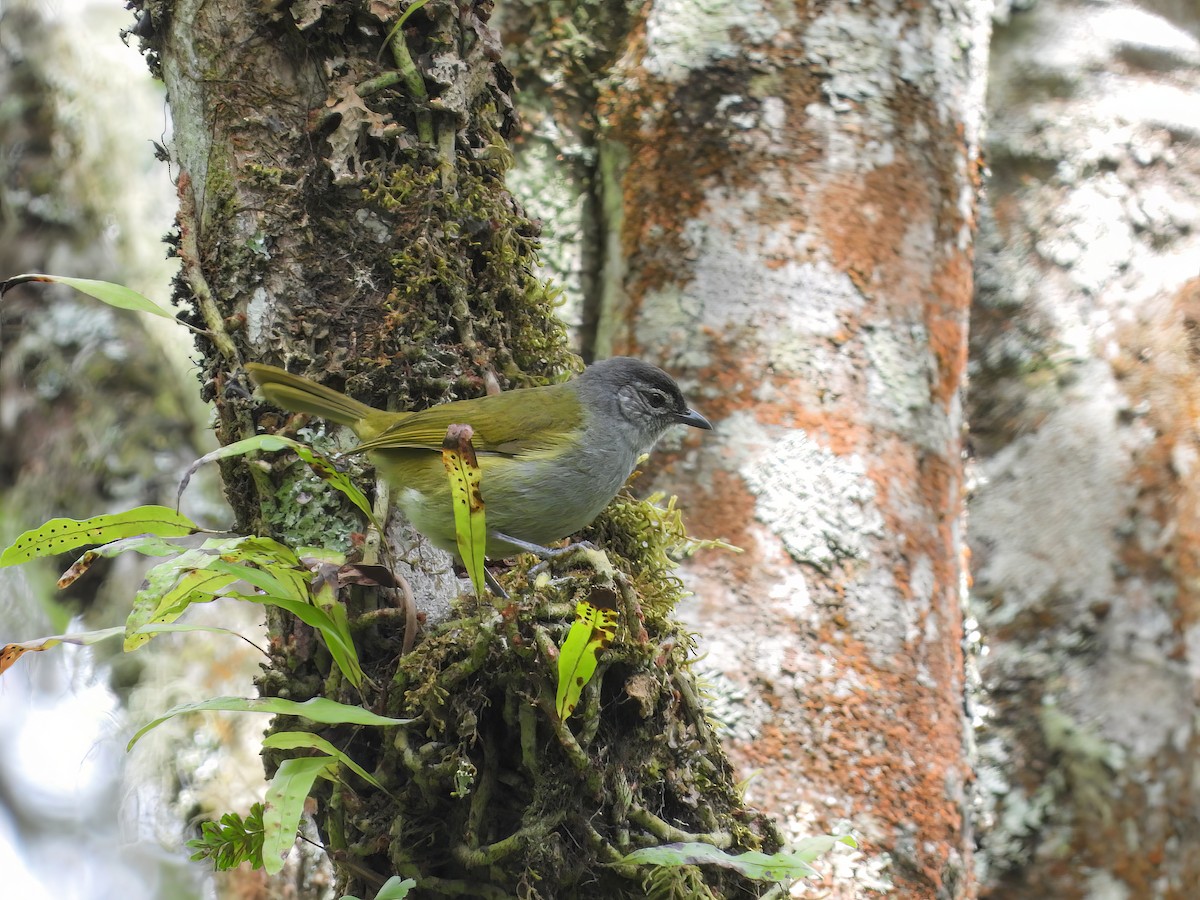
column 348, row 218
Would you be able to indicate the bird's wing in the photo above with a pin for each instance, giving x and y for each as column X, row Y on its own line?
column 512, row 424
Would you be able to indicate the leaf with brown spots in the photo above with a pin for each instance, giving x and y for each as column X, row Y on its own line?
column 592, row 631
column 61, row 535
column 10, row 653
column 470, row 529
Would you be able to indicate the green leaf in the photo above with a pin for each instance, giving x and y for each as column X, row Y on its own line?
column 61, row 535
column 278, row 580
column 253, row 548
column 145, row 544
column 290, row 740
column 311, row 555
column 284, row 804
column 592, row 631
column 270, row 443
column 318, row 709
column 170, row 588
column 237, row 448
column 338, row 643
column 334, row 630
column 201, row 575
column 10, row 653
column 166, row 628
column 786, row 865
column 470, row 527
column 412, row 8
column 338, row 635
column 395, row 888
column 232, row 841
column 113, row 294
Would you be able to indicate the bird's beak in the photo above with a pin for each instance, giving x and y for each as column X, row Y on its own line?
column 693, row 418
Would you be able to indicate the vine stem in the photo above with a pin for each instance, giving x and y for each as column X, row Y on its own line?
column 189, row 253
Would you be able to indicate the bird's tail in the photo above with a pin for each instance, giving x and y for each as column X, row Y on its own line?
column 298, row 394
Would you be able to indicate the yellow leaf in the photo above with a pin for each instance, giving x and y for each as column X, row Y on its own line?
column 61, row 535
column 470, row 531
column 592, row 631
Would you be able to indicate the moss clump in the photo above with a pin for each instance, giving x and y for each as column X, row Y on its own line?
column 309, row 513
column 461, row 271
column 476, row 798
column 648, row 538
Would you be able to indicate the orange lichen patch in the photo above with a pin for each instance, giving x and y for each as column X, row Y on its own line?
column 946, row 319
column 1160, row 372
column 732, row 380
column 882, row 738
column 865, row 220
column 896, row 755
column 663, row 185
column 939, row 479
column 729, row 507
column 733, row 373
column 767, row 748
column 838, row 430
column 681, row 144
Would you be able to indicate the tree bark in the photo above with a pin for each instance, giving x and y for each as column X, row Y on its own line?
column 1083, row 398
column 791, row 214
column 350, row 220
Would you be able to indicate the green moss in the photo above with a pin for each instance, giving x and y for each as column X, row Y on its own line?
column 462, row 264
column 648, row 538
column 265, row 175
column 393, row 189
column 481, row 689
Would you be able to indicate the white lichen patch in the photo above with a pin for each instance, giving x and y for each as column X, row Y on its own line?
column 864, row 49
column 543, row 181
column 899, row 377
column 1070, row 477
column 821, row 505
column 260, row 316
column 686, row 35
column 749, row 270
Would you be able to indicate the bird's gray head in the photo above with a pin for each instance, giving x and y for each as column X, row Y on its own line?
column 639, row 394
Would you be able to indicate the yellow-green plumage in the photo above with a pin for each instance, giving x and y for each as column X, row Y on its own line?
column 551, row 457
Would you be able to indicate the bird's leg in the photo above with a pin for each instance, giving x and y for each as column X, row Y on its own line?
column 543, row 553
column 548, row 555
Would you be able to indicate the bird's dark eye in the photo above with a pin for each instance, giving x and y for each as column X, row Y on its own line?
column 657, row 399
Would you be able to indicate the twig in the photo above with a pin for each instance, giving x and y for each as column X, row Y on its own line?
column 189, row 253
column 669, row 834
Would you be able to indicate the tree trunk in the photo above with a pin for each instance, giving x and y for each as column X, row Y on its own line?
column 1084, row 524
column 351, row 221
column 791, row 215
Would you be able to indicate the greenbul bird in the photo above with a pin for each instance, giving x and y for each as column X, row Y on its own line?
column 551, row 457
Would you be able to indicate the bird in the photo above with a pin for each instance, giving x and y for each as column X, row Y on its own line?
column 551, row 457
